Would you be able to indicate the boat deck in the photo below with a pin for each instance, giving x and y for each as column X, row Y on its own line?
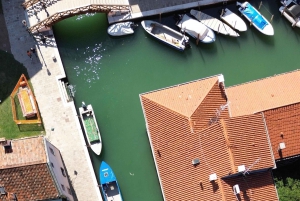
column 91, row 128
column 255, row 16
column 166, row 34
column 112, row 192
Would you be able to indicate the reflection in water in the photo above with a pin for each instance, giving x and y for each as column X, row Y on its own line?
column 79, row 17
column 90, row 71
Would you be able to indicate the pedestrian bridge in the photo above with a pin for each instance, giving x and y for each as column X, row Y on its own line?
column 42, row 14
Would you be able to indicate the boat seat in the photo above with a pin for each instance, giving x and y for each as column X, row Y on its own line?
column 294, row 11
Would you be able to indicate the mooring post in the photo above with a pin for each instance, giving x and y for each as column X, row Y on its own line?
column 272, row 18
column 260, row 5
column 159, row 17
column 197, row 41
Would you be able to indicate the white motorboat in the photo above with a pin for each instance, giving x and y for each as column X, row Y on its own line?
column 233, row 20
column 291, row 12
column 213, row 23
column 165, row 34
column 256, row 18
column 196, row 29
column 121, row 29
column 91, row 129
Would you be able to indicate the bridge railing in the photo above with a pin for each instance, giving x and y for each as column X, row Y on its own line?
column 49, row 21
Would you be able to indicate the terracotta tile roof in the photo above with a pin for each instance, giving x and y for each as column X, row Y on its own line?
column 284, row 126
column 175, row 142
column 248, row 142
column 264, row 94
column 206, row 112
column 29, row 183
column 183, row 98
column 255, row 186
column 25, row 151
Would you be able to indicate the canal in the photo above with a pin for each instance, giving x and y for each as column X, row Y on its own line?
column 111, row 72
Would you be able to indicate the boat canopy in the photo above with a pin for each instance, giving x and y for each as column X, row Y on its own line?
column 255, row 17
column 294, row 11
column 193, row 27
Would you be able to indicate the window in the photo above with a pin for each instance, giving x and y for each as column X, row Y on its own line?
column 63, row 187
column 69, row 191
column 52, row 151
column 63, row 171
column 52, row 164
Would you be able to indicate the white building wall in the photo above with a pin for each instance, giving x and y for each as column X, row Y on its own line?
column 55, row 164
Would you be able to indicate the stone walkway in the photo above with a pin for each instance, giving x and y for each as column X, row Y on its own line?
column 60, row 120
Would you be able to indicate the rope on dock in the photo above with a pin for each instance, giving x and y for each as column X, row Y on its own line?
column 261, row 4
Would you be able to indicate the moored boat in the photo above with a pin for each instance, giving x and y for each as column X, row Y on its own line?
column 256, row 18
column 196, row 29
column 91, row 129
column 233, row 20
column 213, row 23
column 167, row 35
column 291, row 12
column 109, row 184
column 121, row 29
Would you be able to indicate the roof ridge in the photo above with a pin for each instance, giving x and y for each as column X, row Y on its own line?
column 263, row 78
column 177, row 85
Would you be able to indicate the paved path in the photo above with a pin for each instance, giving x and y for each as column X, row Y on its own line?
column 57, row 114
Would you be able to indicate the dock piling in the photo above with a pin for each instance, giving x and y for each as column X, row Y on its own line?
column 260, row 5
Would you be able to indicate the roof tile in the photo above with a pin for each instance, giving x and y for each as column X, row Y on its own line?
column 268, row 93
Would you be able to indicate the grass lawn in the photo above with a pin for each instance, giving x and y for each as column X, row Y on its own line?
column 10, row 72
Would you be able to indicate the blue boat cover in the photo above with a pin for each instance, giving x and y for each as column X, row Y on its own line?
column 106, row 173
column 255, row 16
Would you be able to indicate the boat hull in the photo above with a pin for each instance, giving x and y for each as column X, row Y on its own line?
column 120, row 29
column 233, row 20
column 196, row 29
column 166, row 34
column 108, row 183
column 91, row 129
column 256, row 18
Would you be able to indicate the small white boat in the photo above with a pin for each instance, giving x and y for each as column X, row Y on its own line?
column 291, row 12
column 196, row 29
column 167, row 35
column 121, row 29
column 213, row 23
column 233, row 20
column 256, row 18
column 91, row 129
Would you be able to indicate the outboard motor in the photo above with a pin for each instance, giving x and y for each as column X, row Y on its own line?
column 186, row 42
column 133, row 25
column 84, row 106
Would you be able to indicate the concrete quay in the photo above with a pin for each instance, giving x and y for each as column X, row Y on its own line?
column 144, row 8
column 61, row 124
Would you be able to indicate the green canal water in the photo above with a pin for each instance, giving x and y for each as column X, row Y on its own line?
column 110, row 73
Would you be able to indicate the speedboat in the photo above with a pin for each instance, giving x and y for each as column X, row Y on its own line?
column 256, row 18
column 213, row 23
column 91, row 129
column 121, row 29
column 233, row 20
column 291, row 12
column 166, row 35
column 109, row 184
column 196, row 29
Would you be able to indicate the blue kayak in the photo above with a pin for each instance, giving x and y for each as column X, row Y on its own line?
column 108, row 183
